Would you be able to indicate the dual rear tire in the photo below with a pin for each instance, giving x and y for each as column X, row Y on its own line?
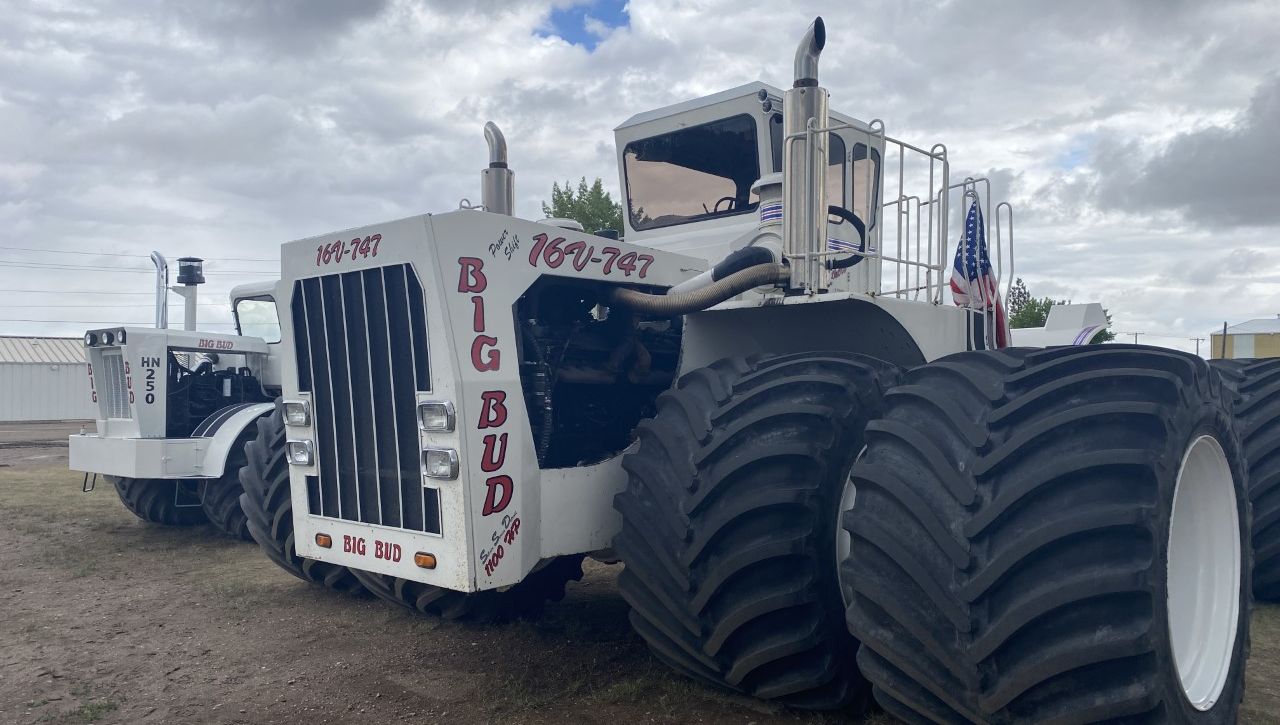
column 729, row 519
column 1053, row 536
column 1023, row 535
column 1257, row 384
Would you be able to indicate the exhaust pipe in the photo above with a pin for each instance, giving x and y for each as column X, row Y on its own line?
column 162, row 290
column 497, row 183
column 804, row 167
column 811, row 45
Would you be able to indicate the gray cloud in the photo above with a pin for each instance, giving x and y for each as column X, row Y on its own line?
column 225, row 128
column 1219, row 174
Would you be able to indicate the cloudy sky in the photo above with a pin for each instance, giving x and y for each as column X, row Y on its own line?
column 1139, row 141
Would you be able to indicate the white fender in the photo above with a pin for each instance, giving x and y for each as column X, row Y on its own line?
column 221, row 430
column 1066, row 325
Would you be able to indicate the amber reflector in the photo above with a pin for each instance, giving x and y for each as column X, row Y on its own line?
column 324, row 540
column 425, row 560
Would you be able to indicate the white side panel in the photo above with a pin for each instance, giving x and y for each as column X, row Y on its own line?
column 45, row 391
column 577, row 507
column 137, row 457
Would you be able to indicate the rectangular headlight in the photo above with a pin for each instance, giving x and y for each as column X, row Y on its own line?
column 441, row 463
column 436, row 415
column 299, row 453
column 297, row 413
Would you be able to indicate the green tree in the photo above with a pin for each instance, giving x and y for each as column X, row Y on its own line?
column 589, row 205
column 1028, row 311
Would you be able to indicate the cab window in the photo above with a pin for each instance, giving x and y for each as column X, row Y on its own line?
column 696, row 173
column 256, row 317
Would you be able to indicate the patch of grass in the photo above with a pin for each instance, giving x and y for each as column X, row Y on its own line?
column 92, row 711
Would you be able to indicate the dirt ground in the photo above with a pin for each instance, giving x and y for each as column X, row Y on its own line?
column 106, row 619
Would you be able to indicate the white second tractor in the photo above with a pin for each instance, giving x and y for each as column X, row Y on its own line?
column 176, row 407
column 823, row 480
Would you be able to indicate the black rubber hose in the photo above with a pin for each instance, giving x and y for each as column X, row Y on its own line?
column 740, row 260
column 703, row 297
column 859, row 227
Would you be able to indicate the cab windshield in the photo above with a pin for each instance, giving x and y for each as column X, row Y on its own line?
column 256, row 317
column 696, row 173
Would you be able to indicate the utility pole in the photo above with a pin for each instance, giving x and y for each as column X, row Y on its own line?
column 1135, row 337
column 1197, row 341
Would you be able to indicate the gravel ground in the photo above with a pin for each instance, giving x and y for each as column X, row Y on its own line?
column 108, row 619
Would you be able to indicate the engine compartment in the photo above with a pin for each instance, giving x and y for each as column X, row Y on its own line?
column 196, row 393
column 589, row 372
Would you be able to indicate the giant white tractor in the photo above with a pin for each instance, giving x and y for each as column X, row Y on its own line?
column 822, row 478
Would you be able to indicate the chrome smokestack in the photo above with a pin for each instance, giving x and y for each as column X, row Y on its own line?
column 497, row 183
column 804, row 167
column 815, row 38
column 162, row 290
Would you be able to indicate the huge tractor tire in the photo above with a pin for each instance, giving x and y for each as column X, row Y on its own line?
column 523, row 600
column 268, row 508
column 1258, row 416
column 1053, row 536
column 161, row 500
column 729, row 524
column 220, row 497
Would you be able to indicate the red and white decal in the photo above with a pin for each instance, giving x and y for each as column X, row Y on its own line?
column 335, row 252
column 554, row 253
column 205, row 344
column 486, row 357
column 384, row 550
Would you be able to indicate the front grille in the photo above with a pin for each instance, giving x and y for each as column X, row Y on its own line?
column 113, row 384
column 361, row 341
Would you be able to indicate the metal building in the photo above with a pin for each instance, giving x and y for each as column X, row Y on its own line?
column 1252, row 339
column 44, row 378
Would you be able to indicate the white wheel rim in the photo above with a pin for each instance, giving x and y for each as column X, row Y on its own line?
column 844, row 542
column 1204, row 572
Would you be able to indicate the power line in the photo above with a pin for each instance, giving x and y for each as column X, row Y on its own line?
column 120, row 254
column 93, row 268
column 147, row 323
column 74, row 292
column 97, row 306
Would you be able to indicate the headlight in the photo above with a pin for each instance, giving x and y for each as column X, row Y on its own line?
column 120, row 337
column 297, row 413
column 108, row 338
column 300, row 453
column 441, row 463
column 436, row 415
column 90, row 339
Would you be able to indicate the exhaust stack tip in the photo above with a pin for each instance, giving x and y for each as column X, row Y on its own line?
column 497, row 146
column 811, row 45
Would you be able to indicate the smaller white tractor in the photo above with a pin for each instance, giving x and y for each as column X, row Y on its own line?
column 175, row 407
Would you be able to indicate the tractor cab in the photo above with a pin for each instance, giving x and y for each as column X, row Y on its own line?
column 692, row 173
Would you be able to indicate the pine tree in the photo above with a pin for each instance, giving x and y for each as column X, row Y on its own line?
column 589, row 205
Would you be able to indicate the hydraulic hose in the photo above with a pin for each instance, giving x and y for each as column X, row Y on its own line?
column 704, row 297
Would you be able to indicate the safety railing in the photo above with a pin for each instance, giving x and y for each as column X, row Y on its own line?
column 916, row 224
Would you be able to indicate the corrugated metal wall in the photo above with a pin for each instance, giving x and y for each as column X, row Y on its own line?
column 45, row 391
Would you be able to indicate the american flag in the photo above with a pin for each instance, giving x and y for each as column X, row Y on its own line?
column 973, row 282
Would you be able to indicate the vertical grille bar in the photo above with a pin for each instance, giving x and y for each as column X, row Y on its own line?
column 375, row 304
column 115, row 386
column 340, row 394
column 322, row 397
column 362, row 342
column 402, row 378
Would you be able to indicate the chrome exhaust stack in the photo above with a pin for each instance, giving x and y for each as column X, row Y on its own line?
column 804, row 166
column 497, row 183
column 162, row 290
